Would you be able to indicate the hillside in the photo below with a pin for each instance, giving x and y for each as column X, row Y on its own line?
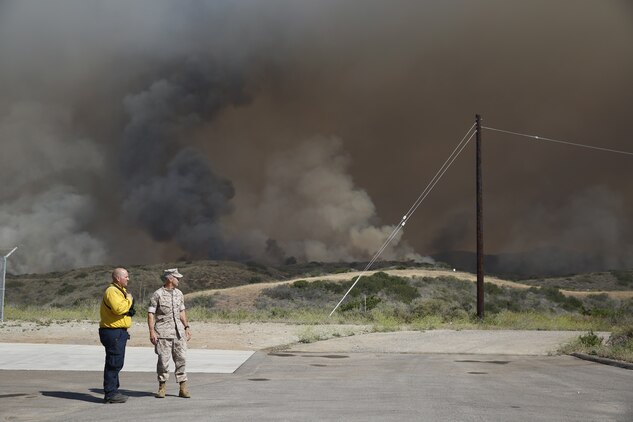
column 87, row 284
column 237, row 285
column 77, row 286
column 246, row 296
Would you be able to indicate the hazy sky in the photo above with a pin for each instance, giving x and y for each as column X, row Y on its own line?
column 147, row 131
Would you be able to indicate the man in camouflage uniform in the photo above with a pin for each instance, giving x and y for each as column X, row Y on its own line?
column 169, row 331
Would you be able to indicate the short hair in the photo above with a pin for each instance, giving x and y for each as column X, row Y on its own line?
column 117, row 272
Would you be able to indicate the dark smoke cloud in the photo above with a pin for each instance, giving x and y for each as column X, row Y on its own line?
column 148, row 130
column 171, row 191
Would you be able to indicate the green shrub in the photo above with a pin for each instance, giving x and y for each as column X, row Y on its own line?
column 323, row 286
column 280, row 292
column 301, row 284
column 622, row 337
column 362, row 304
column 66, row 289
column 206, row 301
column 491, row 288
column 447, row 310
column 590, row 339
column 279, row 312
column 572, row 304
column 623, row 278
column 553, row 294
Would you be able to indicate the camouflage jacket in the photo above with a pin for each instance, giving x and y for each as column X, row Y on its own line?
column 166, row 306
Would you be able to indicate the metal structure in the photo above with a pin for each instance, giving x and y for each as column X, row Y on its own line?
column 480, row 223
column 3, row 273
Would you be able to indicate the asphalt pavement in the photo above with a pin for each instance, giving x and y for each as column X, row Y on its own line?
column 333, row 384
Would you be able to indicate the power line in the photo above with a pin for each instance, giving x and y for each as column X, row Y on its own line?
column 449, row 161
column 541, row 138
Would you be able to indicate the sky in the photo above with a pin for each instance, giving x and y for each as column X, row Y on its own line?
column 151, row 131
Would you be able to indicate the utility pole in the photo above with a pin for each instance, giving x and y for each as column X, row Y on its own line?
column 480, row 224
column 3, row 273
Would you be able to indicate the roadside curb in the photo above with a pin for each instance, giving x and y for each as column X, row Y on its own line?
column 604, row 361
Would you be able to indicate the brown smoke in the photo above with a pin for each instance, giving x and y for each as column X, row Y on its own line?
column 306, row 129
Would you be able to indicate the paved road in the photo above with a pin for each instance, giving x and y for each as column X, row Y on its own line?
column 503, row 342
column 333, row 385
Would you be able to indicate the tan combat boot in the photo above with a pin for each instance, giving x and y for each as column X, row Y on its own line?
column 162, row 390
column 184, row 391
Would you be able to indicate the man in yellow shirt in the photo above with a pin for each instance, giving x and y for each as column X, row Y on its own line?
column 117, row 309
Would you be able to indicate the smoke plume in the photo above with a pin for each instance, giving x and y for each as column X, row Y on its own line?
column 146, row 131
column 170, row 189
column 314, row 210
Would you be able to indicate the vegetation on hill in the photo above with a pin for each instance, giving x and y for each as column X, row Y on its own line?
column 384, row 301
column 606, row 281
column 446, row 297
column 85, row 285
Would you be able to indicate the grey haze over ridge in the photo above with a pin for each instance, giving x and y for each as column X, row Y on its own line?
column 147, row 131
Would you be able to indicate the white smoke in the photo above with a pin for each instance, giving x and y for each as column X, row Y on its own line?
column 312, row 209
column 39, row 210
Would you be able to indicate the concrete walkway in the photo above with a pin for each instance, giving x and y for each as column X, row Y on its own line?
column 68, row 357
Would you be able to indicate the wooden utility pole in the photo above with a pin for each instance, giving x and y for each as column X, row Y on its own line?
column 480, row 224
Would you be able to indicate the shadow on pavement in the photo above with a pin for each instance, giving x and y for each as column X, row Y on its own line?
column 131, row 393
column 90, row 398
column 70, row 395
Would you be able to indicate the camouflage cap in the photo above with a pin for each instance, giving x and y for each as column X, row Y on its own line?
column 173, row 272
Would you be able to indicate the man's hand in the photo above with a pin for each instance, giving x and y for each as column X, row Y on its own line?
column 188, row 333
column 153, row 338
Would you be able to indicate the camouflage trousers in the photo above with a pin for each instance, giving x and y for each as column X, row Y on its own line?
column 166, row 349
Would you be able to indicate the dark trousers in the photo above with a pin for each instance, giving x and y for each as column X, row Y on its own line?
column 114, row 341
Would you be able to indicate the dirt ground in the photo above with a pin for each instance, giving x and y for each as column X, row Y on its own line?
column 205, row 335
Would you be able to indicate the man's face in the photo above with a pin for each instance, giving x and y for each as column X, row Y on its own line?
column 175, row 281
column 123, row 278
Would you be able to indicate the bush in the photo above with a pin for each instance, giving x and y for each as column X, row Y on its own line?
column 590, row 339
column 491, row 288
column 622, row 338
column 280, row 292
column 322, row 285
column 362, row 304
column 553, row 294
column 438, row 307
column 624, row 278
column 301, row 284
column 201, row 301
column 279, row 312
column 399, row 288
column 65, row 289
column 572, row 304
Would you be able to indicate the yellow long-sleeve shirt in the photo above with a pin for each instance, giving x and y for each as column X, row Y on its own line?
column 114, row 307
